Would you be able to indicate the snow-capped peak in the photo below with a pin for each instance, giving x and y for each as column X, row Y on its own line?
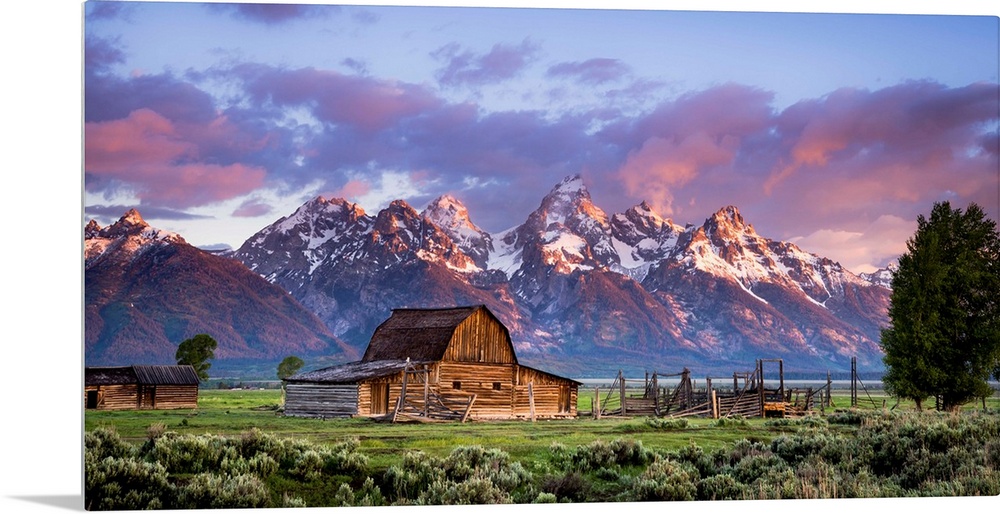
column 452, row 217
column 130, row 234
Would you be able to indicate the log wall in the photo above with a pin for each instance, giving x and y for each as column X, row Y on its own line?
column 481, row 380
column 551, row 401
column 175, row 397
column 321, row 400
column 114, row 397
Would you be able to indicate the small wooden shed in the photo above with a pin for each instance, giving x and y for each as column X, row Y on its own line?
column 140, row 387
column 454, row 363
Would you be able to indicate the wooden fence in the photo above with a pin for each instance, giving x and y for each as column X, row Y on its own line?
column 747, row 395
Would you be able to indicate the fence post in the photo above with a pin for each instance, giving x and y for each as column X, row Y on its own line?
column 597, row 403
column 531, row 401
column 621, row 382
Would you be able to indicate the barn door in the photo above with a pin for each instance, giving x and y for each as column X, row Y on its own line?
column 91, row 399
column 564, row 398
column 380, row 399
column 147, row 397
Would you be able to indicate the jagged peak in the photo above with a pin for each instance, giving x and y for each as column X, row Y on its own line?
column 646, row 211
column 449, row 212
column 570, row 184
column 92, row 229
column 132, row 217
column 729, row 216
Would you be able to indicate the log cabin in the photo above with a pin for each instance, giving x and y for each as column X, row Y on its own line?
column 434, row 364
column 140, row 387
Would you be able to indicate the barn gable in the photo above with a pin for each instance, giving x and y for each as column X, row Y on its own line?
column 465, row 334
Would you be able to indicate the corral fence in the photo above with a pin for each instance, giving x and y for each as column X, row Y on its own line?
column 744, row 394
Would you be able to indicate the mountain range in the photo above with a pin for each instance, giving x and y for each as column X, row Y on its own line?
column 582, row 292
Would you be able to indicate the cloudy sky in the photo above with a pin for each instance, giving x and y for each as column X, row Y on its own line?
column 831, row 130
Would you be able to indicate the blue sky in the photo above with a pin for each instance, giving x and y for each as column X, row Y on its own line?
column 831, row 130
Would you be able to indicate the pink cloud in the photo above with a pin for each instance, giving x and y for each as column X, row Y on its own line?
column 661, row 164
column 696, row 134
column 914, row 126
column 159, row 161
column 865, row 250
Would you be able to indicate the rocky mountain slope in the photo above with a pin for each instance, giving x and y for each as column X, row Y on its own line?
column 146, row 290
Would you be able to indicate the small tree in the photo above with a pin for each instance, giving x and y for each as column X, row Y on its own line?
column 196, row 352
column 288, row 367
column 944, row 334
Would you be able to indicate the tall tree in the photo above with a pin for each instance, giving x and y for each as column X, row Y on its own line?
column 943, row 337
column 197, row 351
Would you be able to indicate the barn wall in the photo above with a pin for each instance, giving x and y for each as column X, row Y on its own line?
column 551, row 401
column 314, row 400
column 114, row 397
column 176, row 397
column 395, row 385
column 480, row 338
column 554, row 396
column 479, row 379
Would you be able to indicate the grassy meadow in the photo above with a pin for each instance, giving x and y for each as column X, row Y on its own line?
column 237, row 450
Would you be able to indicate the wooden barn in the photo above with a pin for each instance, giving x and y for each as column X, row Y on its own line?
column 455, row 363
column 140, row 387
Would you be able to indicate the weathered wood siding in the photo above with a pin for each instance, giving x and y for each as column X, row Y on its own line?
column 551, row 401
column 480, row 338
column 393, row 383
column 114, row 397
column 321, row 400
column 493, row 385
column 554, row 396
column 174, row 397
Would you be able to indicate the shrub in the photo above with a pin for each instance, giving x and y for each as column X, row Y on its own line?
column 696, row 457
column 571, row 486
column 212, row 491
column 190, row 453
column 114, row 483
column 545, row 498
column 721, row 487
column 103, row 442
column 600, row 454
column 667, row 423
column 661, row 481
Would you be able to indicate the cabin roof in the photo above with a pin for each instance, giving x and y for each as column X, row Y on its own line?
column 417, row 334
column 351, row 372
column 145, row 375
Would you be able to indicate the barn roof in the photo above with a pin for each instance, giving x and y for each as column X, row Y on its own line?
column 351, row 372
column 418, row 334
column 146, row 375
column 110, row 375
column 167, row 375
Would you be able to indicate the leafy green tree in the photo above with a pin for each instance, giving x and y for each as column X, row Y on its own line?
column 289, row 366
column 943, row 339
column 197, row 351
